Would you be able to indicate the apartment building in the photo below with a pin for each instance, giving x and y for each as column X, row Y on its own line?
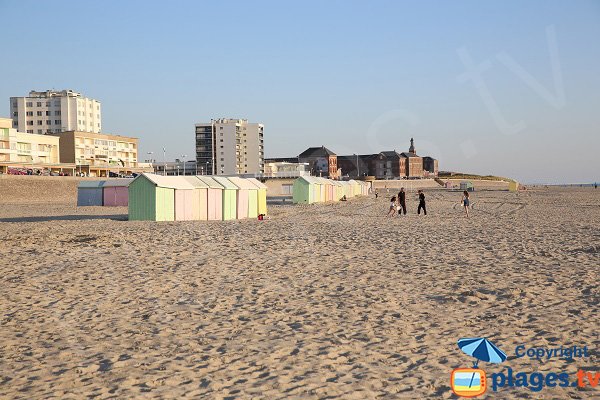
column 53, row 111
column 96, row 154
column 230, row 147
column 24, row 150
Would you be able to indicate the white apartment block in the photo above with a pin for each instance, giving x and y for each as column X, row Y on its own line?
column 54, row 112
column 230, row 147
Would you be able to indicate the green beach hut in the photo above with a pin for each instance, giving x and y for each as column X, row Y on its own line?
column 229, row 197
column 152, row 197
column 306, row 190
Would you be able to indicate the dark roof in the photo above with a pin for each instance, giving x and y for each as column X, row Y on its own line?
column 410, row 155
column 316, row 152
column 429, row 158
column 389, row 154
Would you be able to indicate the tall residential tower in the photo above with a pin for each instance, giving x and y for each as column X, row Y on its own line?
column 54, row 112
column 229, row 147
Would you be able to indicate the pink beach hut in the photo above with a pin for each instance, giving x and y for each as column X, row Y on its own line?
column 200, row 206
column 214, row 198
column 116, row 192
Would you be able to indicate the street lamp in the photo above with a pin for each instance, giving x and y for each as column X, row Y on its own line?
column 165, row 160
column 183, row 158
column 207, row 168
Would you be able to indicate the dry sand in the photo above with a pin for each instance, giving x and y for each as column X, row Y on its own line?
column 320, row 301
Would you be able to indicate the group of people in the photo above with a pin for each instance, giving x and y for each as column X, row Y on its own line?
column 398, row 203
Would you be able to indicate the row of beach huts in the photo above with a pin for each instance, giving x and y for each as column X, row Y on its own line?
column 152, row 197
column 312, row 189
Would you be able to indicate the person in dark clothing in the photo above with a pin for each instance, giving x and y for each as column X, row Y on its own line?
column 402, row 201
column 421, row 203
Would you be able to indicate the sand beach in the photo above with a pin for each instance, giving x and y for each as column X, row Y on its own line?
column 320, row 301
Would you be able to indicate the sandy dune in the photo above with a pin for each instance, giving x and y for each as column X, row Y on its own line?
column 320, row 301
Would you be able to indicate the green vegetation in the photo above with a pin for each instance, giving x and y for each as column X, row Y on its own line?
column 460, row 175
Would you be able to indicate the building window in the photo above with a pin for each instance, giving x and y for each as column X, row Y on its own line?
column 15, row 104
column 39, row 131
column 29, row 104
column 57, row 122
column 222, row 159
column 221, row 140
column 39, row 113
column 40, row 122
column 29, row 113
column 57, row 103
column 47, row 104
column 57, row 112
column 39, row 103
column 15, row 114
column 29, row 130
column 47, row 113
column 48, row 122
column 29, row 122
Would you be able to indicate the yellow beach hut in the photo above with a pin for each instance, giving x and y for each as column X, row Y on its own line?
column 262, row 195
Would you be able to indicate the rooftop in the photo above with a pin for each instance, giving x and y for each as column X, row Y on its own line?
column 316, row 152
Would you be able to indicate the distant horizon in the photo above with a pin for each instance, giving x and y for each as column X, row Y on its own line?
column 504, row 88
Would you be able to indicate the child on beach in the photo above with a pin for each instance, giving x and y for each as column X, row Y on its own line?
column 465, row 202
column 392, row 207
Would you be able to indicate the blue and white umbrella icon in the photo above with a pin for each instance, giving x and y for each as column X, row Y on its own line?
column 482, row 349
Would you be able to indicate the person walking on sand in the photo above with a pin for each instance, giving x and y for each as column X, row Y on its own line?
column 466, row 203
column 392, row 210
column 421, row 203
column 402, row 201
column 376, row 193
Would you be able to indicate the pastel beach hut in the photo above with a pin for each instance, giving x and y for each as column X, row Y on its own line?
column 321, row 182
column 338, row 190
column 262, row 195
column 356, row 190
column 200, row 198
column 513, row 186
column 214, row 198
column 304, row 190
column 229, row 198
column 346, row 189
column 89, row 193
column 247, row 198
column 115, row 192
column 160, row 198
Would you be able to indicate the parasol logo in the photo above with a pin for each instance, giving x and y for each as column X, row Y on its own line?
column 471, row 382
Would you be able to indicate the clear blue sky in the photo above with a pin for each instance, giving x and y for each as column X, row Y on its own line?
column 353, row 76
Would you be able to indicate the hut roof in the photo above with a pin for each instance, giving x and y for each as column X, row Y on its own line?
column 226, row 183
column 124, row 182
column 323, row 181
column 243, row 183
column 91, row 184
column 310, row 179
column 170, row 182
column 195, row 182
column 210, row 182
column 257, row 183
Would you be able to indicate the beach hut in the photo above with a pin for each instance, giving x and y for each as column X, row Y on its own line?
column 214, row 198
column 347, row 189
column 159, row 198
column 262, row 195
column 229, row 197
column 247, row 198
column 200, row 198
column 338, row 190
column 89, row 193
column 325, row 193
column 513, row 186
column 467, row 185
column 305, row 190
column 356, row 190
column 115, row 192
